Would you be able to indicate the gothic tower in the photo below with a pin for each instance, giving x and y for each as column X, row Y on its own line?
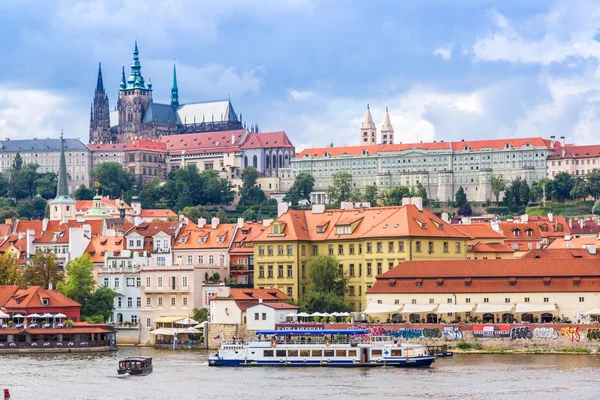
column 368, row 130
column 174, row 91
column 62, row 208
column 387, row 130
column 134, row 100
column 99, row 113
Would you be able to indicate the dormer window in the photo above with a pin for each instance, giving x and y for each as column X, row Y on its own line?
column 516, row 232
column 365, row 152
column 559, row 228
column 544, row 227
column 45, row 301
column 529, row 232
column 203, row 239
column 467, row 148
column 220, row 239
column 507, row 145
column 275, row 229
column 343, row 230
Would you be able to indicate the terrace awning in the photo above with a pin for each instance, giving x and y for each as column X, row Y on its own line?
column 454, row 308
column 493, row 308
column 170, row 320
column 529, row 308
column 418, row 308
column 376, row 308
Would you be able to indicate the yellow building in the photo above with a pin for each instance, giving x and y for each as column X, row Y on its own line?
column 367, row 242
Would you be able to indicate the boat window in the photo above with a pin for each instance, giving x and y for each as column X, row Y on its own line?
column 329, row 353
column 340, row 353
column 280, row 353
column 409, row 353
column 304, row 353
column 396, row 353
column 351, row 353
column 292, row 353
column 268, row 353
column 317, row 353
column 376, row 353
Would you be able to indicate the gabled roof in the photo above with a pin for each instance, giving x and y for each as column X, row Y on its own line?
column 192, row 234
column 22, row 226
column 32, row 297
column 147, row 145
column 244, row 236
column 277, row 306
column 60, row 233
column 509, row 229
column 577, row 152
column 266, row 140
column 150, row 229
column 40, row 145
column 585, row 227
column 208, row 111
column 99, row 245
column 158, row 213
column 574, row 243
column 479, row 231
column 161, row 114
column 84, row 205
column 253, row 294
column 481, row 247
column 204, row 142
column 559, row 254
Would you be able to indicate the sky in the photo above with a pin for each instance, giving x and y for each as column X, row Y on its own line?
column 447, row 70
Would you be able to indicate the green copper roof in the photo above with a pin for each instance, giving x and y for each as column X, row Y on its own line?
column 174, row 90
column 97, row 212
column 123, row 83
column 99, row 83
column 136, row 80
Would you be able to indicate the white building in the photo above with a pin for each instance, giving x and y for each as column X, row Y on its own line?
column 267, row 315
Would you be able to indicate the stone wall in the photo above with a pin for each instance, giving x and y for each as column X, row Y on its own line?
column 218, row 332
column 128, row 336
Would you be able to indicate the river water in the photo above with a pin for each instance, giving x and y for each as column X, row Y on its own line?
column 186, row 375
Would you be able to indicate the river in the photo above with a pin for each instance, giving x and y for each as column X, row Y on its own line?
column 186, row 375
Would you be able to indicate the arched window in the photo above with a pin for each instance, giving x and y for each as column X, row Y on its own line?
column 268, row 162
column 280, row 161
column 274, row 165
column 245, row 161
column 255, row 161
column 287, row 160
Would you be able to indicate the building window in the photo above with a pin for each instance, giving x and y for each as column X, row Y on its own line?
column 315, row 250
column 185, row 301
column 148, row 301
column 172, row 301
column 184, row 281
column 380, row 247
column 369, row 269
column 351, row 248
column 261, row 271
column 160, row 301
column 261, row 250
column 289, row 271
column 148, row 323
column 264, row 316
column 418, row 246
column 445, row 247
column 467, row 299
column 369, row 247
column 457, row 247
column 270, row 250
column 330, row 248
column 526, row 299
column 340, row 249
column 106, row 282
column 129, row 302
column 401, row 246
column 351, row 290
column 280, row 272
column 190, row 259
column 130, row 282
column 507, row 300
column 431, row 301
column 581, row 299
column 486, row 299
column 211, row 259
column 117, row 284
column 160, row 281
column 351, row 268
column 256, row 316
column 270, row 271
column 119, row 302
column 546, row 300
column 379, row 268
column 289, row 291
column 280, row 250
column 391, row 247
column 138, row 281
column 289, row 250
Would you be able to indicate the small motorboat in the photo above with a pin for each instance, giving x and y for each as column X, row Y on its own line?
column 135, row 366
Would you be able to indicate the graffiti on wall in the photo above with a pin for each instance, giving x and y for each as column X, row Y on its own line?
column 491, row 331
column 572, row 333
column 545, row 333
column 453, row 332
column 521, row 332
column 592, row 334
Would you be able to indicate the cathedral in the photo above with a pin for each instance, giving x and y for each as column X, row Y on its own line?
column 138, row 116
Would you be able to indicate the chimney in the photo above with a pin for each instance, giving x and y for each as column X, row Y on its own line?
column 282, row 208
column 87, row 231
column 50, row 286
column 525, row 218
column 21, row 235
column 318, row 208
column 260, row 300
column 7, row 221
column 346, row 205
column 223, row 291
column 445, row 217
column 581, row 223
column 418, row 202
column 30, row 238
column 562, row 141
column 201, row 222
column 233, row 138
column 552, row 140
column 570, row 222
column 214, row 223
column 240, row 222
column 591, row 248
column 405, row 201
column 550, row 217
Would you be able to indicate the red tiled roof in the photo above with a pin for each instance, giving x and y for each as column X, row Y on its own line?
column 191, row 234
column 147, row 144
column 266, row 140
column 157, row 213
column 216, row 141
column 149, row 229
column 99, row 245
column 84, row 205
column 6, row 229
column 479, row 231
column 481, row 247
column 32, row 297
column 574, row 243
column 559, row 254
column 244, row 236
column 590, row 227
column 107, row 147
column 63, row 231
column 254, row 294
column 577, row 152
column 509, row 229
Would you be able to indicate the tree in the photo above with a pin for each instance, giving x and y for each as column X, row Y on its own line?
column 112, row 178
column 100, row 303
column 222, row 215
column 341, row 188
column 42, row 270
column 422, row 193
column 45, row 185
column 592, row 180
column 580, row 190
column 9, row 270
column 186, row 187
column 538, row 188
column 394, row 197
column 84, row 193
column 356, row 196
column 561, row 186
column 151, row 193
column 7, row 212
column 596, row 207
column 32, row 209
column 371, row 194
column 250, row 193
column 498, row 184
column 460, row 197
column 465, row 210
column 200, row 314
column 517, row 194
column 301, row 189
column 80, row 279
column 327, row 289
column 17, row 162
column 194, row 213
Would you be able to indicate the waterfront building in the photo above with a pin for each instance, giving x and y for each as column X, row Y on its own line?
column 366, row 242
column 229, row 305
column 37, row 300
column 46, row 153
column 205, row 246
column 137, row 115
column 487, row 290
column 441, row 167
column 241, row 252
column 263, row 315
column 575, row 160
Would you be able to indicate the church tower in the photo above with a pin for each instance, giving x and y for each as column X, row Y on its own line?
column 134, row 100
column 174, row 91
column 62, row 208
column 387, row 131
column 368, row 130
column 99, row 113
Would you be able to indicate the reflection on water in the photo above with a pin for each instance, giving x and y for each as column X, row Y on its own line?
column 186, row 375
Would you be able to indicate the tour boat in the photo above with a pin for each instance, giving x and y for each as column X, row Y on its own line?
column 135, row 366
column 324, row 348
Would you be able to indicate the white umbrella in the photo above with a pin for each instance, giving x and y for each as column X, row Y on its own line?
column 34, row 315
column 47, row 315
column 344, row 314
column 3, row 315
column 189, row 330
column 325, row 314
column 291, row 315
column 199, row 326
column 303, row 314
column 18, row 316
column 60, row 316
column 316, row 314
column 187, row 321
column 594, row 311
column 335, row 314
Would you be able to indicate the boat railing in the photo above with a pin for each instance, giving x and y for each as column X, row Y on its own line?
column 322, row 341
column 54, row 345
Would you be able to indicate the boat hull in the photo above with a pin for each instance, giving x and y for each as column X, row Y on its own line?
column 142, row 371
column 417, row 362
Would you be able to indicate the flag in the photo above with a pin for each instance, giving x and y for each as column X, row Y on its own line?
column 217, row 337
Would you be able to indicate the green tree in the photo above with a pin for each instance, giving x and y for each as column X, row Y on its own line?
column 465, row 210
column 422, row 193
column 200, row 314
column 80, row 279
column 9, row 270
column 561, row 186
column 45, row 185
column 8, row 212
column 222, row 215
column 371, row 194
column 32, row 209
column 341, row 188
column 194, row 213
column 42, row 270
column 100, row 303
column 17, row 162
column 250, row 215
column 151, row 193
column 250, row 193
column 327, row 289
column 592, row 180
column 537, row 189
column 301, row 189
column 460, row 197
column 356, row 196
column 394, row 197
column 596, row 207
column 580, row 190
column 112, row 178
column 84, row 193
column 498, row 185
column 517, row 194
column 28, row 176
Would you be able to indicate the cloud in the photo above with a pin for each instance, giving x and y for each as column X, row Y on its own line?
column 27, row 113
column 444, row 51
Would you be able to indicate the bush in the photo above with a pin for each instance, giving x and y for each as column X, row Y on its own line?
column 463, row 345
column 501, row 210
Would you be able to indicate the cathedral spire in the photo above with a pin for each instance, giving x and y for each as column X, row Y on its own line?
column 387, row 130
column 62, row 189
column 99, row 83
column 136, row 81
column 123, row 82
column 174, row 90
column 368, row 130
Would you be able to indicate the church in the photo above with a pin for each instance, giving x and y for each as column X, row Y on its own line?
column 138, row 116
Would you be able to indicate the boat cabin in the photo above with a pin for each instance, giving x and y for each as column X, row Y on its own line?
column 135, row 365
